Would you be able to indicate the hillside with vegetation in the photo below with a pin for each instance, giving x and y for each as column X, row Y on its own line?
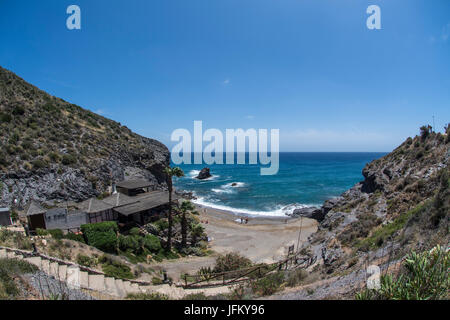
column 392, row 219
column 51, row 149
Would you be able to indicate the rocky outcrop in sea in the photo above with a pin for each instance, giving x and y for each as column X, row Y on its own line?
column 204, row 174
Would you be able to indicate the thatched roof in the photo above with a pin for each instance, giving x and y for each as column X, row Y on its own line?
column 134, row 184
column 119, row 199
column 147, row 201
column 34, row 208
column 94, row 205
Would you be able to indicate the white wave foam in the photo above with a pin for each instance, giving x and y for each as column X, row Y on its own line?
column 213, row 177
column 229, row 187
column 280, row 211
column 222, row 191
column 235, row 185
column 194, row 173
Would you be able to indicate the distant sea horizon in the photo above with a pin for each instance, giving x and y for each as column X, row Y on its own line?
column 304, row 179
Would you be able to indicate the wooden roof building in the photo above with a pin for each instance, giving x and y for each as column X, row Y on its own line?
column 35, row 215
column 119, row 199
column 133, row 187
column 146, row 202
column 5, row 217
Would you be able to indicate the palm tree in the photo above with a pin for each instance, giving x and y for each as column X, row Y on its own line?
column 171, row 172
column 197, row 231
column 185, row 208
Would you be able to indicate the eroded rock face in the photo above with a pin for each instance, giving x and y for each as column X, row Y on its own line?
column 310, row 212
column 375, row 179
column 317, row 213
column 330, row 256
column 60, row 183
column 204, row 174
column 393, row 185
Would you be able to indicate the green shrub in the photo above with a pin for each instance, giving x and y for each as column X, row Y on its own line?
column 380, row 235
column 68, row 159
column 131, row 243
column 5, row 117
column 15, row 239
column 86, row 261
column 18, row 111
column 74, row 237
column 135, row 232
column 27, row 145
column 231, row 262
column 100, row 227
column 9, row 270
column 54, row 157
column 423, row 276
column 164, row 254
column 39, row 164
column 152, row 243
column 161, row 225
column 104, row 241
column 41, row 232
column 49, row 107
column 147, row 296
column 195, row 296
column 268, row 285
column 3, row 161
column 101, row 235
column 425, row 131
column 56, row 234
column 115, row 269
column 157, row 281
column 197, row 231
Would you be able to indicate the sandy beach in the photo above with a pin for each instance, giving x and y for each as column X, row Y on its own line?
column 264, row 239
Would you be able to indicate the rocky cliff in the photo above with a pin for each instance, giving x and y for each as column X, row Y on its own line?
column 54, row 150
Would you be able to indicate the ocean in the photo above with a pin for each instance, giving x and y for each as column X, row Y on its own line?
column 304, row 179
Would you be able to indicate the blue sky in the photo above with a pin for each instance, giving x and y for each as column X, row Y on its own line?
column 310, row 68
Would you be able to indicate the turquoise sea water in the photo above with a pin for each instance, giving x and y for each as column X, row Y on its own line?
column 304, row 179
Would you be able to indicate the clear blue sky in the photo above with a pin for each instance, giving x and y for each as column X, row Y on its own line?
column 308, row 67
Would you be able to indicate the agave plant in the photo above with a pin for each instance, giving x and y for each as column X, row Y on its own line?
column 424, row 276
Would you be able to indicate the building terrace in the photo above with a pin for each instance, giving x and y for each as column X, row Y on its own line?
column 140, row 208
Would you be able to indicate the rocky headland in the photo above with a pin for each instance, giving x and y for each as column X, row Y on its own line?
column 52, row 150
column 402, row 204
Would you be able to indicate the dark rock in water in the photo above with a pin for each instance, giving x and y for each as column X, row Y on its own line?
column 234, row 184
column 204, row 174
